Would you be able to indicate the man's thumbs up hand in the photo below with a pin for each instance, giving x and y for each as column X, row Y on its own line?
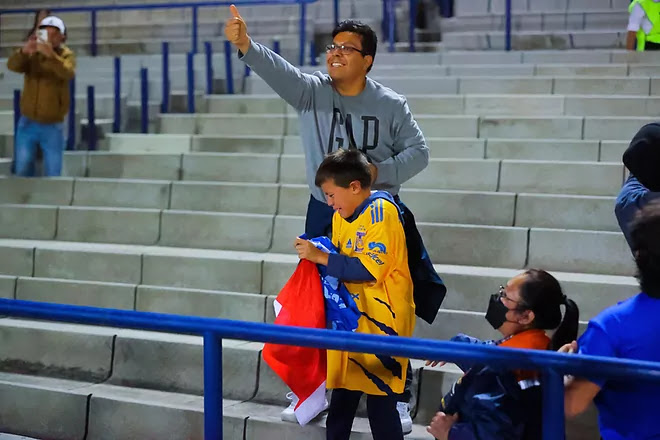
column 236, row 30
column 234, row 12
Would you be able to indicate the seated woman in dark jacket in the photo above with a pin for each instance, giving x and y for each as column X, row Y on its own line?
column 492, row 404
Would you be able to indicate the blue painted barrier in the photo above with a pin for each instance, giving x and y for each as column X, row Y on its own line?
column 195, row 29
column 93, row 49
column 313, row 55
column 165, row 103
column 507, row 31
column 229, row 71
column 412, row 24
column 144, row 100
column 17, row 117
column 71, row 139
column 553, row 365
column 91, row 119
column 303, row 32
column 116, row 123
column 190, row 69
column 335, row 11
column 208, row 50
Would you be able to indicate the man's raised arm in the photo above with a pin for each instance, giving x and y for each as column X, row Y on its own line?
column 294, row 86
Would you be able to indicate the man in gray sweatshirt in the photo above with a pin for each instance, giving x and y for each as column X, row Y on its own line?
column 346, row 109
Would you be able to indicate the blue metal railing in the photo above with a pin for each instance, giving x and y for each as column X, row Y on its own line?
column 116, row 123
column 91, row 118
column 194, row 6
column 552, row 365
column 17, row 118
column 144, row 100
column 507, row 30
column 71, row 132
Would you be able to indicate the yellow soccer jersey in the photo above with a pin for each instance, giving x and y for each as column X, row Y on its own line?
column 376, row 237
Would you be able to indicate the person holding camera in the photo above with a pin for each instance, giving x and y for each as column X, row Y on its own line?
column 48, row 66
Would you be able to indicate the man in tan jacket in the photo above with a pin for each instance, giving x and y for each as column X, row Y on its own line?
column 48, row 66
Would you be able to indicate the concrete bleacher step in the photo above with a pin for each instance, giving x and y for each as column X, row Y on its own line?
column 133, row 147
column 93, row 196
column 163, row 279
column 537, row 21
column 569, row 104
column 470, row 7
column 461, row 126
column 151, row 364
column 538, row 39
column 544, row 85
column 145, row 414
column 144, row 367
column 564, row 177
column 484, row 245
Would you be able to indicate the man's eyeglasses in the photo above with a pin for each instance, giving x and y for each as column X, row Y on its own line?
column 344, row 50
column 519, row 304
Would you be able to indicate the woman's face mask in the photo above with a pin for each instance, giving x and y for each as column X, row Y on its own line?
column 496, row 312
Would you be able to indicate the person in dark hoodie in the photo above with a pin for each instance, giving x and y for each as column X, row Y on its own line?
column 490, row 403
column 642, row 159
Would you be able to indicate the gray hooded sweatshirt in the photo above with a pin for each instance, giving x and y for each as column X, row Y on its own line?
column 377, row 121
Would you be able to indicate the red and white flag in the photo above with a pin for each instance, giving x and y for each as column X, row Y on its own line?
column 300, row 303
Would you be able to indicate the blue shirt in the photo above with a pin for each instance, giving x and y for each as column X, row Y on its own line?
column 630, row 329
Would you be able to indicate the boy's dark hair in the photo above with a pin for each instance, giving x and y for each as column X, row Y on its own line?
column 645, row 237
column 367, row 35
column 542, row 294
column 344, row 167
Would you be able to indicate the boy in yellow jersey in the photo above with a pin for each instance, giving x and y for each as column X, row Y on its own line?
column 373, row 264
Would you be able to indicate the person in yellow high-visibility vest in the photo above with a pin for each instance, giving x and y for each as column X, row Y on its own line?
column 644, row 25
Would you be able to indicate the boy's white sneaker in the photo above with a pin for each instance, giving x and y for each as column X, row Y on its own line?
column 288, row 415
column 404, row 415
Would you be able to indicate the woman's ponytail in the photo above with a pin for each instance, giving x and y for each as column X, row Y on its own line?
column 568, row 328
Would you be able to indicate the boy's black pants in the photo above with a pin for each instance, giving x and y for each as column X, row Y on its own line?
column 383, row 416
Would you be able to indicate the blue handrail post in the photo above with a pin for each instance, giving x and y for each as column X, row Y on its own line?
column 17, row 117
column 195, row 30
column 91, row 119
column 336, row 12
column 390, row 24
column 212, row 387
column 71, row 138
column 314, row 61
column 208, row 49
column 229, row 72
column 507, row 43
column 277, row 47
column 190, row 64
column 93, row 46
column 165, row 103
column 303, row 32
column 553, row 405
column 413, row 21
column 116, row 126
column 144, row 100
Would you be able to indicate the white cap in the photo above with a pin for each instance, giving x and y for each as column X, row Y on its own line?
column 53, row 21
